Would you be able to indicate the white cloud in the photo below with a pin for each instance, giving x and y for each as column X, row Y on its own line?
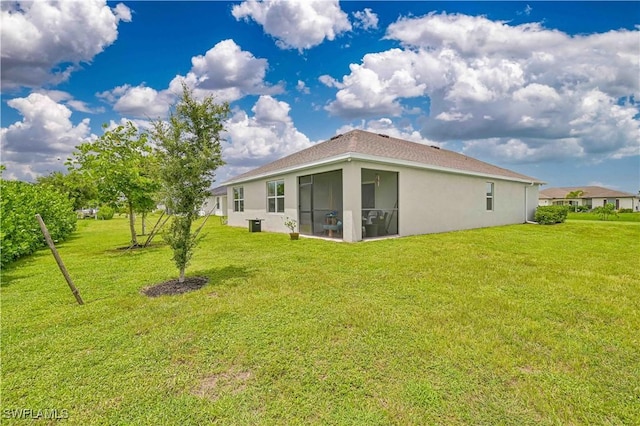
column 42, row 141
column 122, row 12
column 225, row 72
column 137, row 101
column 329, row 81
column 453, row 116
column 302, row 87
column 141, row 125
column 527, row 11
column 386, row 126
column 296, row 24
column 226, row 66
column 39, row 36
column 82, row 106
column 530, row 92
column 375, row 87
column 520, row 151
column 366, row 19
column 65, row 98
column 264, row 137
column 141, row 101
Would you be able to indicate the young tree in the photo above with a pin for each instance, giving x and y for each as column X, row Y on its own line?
column 120, row 163
column 189, row 154
column 605, row 211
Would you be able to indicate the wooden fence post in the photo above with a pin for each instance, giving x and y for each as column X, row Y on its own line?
column 47, row 237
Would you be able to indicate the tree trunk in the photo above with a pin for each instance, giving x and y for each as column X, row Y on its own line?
column 132, row 226
column 181, row 279
column 144, row 216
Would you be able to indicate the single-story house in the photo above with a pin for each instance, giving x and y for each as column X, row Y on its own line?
column 590, row 196
column 361, row 185
column 216, row 202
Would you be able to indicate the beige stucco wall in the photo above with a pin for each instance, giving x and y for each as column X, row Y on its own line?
column 433, row 202
column 429, row 201
column 624, row 203
column 255, row 200
column 210, row 204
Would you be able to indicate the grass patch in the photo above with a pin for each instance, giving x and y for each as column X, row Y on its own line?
column 621, row 217
column 519, row 324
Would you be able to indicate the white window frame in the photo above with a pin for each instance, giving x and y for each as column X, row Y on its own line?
column 278, row 207
column 238, row 199
column 490, row 189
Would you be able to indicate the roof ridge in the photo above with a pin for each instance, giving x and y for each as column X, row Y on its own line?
column 383, row 147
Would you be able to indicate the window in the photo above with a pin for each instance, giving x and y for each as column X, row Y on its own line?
column 238, row 199
column 217, row 203
column 489, row 196
column 589, row 203
column 275, row 196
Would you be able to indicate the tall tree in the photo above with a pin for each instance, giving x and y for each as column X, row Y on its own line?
column 120, row 163
column 189, row 153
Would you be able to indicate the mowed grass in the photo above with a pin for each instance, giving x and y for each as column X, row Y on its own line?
column 620, row 217
column 521, row 324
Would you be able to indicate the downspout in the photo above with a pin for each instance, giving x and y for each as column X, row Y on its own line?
column 526, row 220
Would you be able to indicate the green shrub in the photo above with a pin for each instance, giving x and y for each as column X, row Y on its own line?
column 605, row 211
column 548, row 215
column 105, row 213
column 625, row 211
column 19, row 229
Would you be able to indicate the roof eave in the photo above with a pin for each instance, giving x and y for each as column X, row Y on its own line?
column 418, row 165
column 324, row 162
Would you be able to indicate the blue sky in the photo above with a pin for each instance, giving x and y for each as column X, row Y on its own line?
column 547, row 89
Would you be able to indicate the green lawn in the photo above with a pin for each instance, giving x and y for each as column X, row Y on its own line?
column 621, row 217
column 521, row 325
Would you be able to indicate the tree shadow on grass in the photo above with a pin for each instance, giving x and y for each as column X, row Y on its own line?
column 17, row 269
column 136, row 250
column 229, row 276
column 10, row 270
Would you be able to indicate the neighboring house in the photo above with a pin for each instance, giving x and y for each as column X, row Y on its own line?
column 362, row 185
column 216, row 203
column 591, row 196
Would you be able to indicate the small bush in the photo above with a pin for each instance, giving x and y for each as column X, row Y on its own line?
column 548, row 215
column 625, row 211
column 105, row 213
column 605, row 211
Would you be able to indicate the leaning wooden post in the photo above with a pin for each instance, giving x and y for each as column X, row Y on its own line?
column 47, row 237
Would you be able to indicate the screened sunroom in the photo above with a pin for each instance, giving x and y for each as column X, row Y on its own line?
column 320, row 204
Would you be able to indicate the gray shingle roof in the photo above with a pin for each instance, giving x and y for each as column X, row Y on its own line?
column 589, row 192
column 220, row 190
column 384, row 148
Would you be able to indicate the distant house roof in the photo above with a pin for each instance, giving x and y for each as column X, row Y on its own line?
column 588, row 192
column 359, row 144
column 219, row 191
